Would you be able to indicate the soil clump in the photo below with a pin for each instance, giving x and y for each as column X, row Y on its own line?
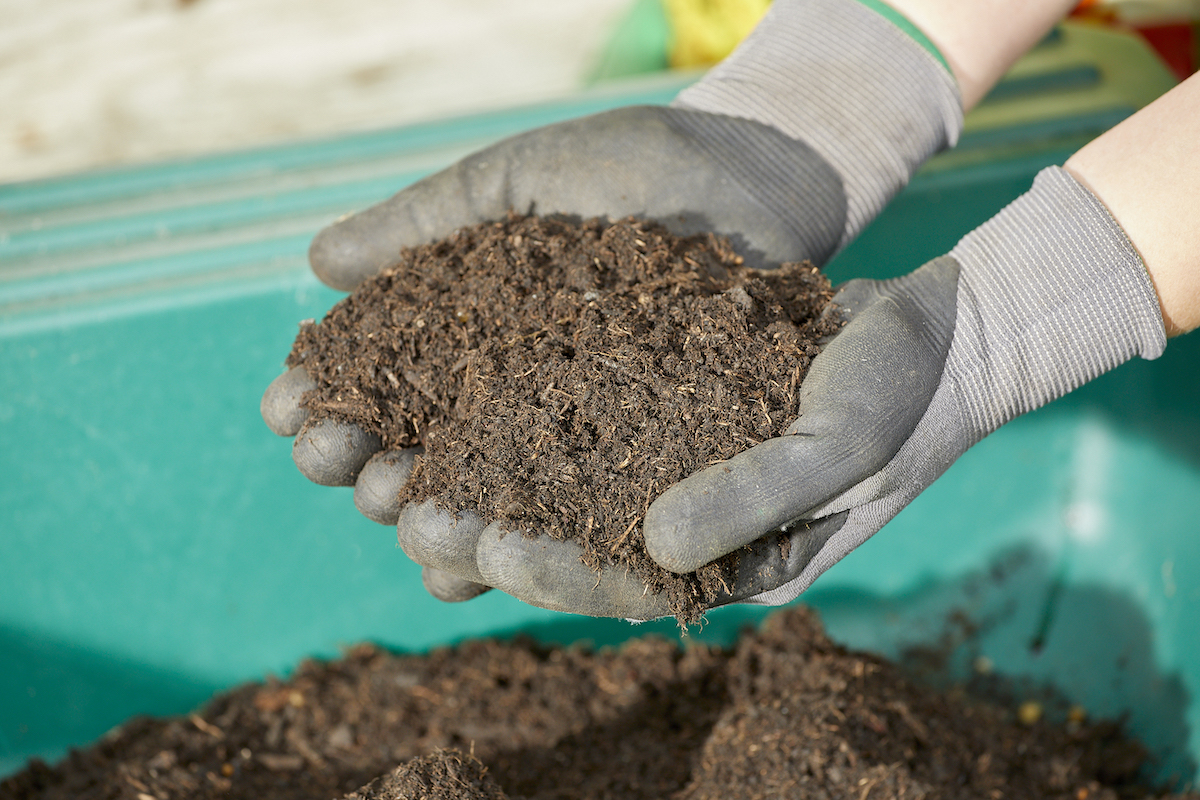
column 561, row 375
column 783, row 713
column 441, row 775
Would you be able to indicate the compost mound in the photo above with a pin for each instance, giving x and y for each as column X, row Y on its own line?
column 561, row 375
column 785, row 713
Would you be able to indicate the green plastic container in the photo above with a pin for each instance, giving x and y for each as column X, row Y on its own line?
column 159, row 546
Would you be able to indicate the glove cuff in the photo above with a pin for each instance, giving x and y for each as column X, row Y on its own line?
column 867, row 97
column 1052, row 294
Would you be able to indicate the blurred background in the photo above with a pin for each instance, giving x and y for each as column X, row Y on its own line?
column 107, row 82
column 103, row 82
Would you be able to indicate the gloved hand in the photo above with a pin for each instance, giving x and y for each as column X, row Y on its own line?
column 1042, row 298
column 790, row 147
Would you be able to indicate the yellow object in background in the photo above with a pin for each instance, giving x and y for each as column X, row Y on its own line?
column 705, row 31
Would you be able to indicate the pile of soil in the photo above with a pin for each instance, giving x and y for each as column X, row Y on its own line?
column 561, row 375
column 784, row 713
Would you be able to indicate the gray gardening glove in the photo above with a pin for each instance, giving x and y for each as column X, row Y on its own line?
column 1042, row 298
column 790, row 147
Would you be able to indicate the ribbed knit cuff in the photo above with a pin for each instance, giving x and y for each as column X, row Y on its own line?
column 868, row 98
column 1052, row 294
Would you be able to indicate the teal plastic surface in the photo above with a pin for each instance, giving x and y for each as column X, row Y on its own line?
column 158, row 545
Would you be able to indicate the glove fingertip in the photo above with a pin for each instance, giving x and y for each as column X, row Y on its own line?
column 439, row 538
column 341, row 256
column 673, row 540
column 280, row 405
column 662, row 545
column 450, row 588
column 377, row 489
column 331, row 453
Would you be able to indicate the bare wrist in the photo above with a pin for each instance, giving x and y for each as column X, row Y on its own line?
column 981, row 39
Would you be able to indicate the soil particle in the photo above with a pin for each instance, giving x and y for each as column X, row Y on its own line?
column 783, row 713
column 560, row 375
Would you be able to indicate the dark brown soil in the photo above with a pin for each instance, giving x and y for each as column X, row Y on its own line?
column 441, row 775
column 561, row 375
column 784, row 714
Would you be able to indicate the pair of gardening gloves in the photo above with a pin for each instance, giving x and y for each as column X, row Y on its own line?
column 790, row 147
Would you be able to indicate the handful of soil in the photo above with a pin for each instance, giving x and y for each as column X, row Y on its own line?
column 561, row 375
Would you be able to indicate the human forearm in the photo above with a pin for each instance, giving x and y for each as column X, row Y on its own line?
column 1146, row 171
column 983, row 38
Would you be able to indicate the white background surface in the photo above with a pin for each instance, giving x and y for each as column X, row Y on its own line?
column 88, row 83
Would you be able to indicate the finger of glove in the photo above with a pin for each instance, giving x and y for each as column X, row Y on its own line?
column 331, row 453
column 450, row 588
column 280, row 406
column 377, row 488
column 548, row 573
column 690, row 170
column 777, row 559
column 442, row 539
column 862, row 398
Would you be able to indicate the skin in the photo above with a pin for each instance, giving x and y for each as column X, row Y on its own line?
column 982, row 39
column 1146, row 170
